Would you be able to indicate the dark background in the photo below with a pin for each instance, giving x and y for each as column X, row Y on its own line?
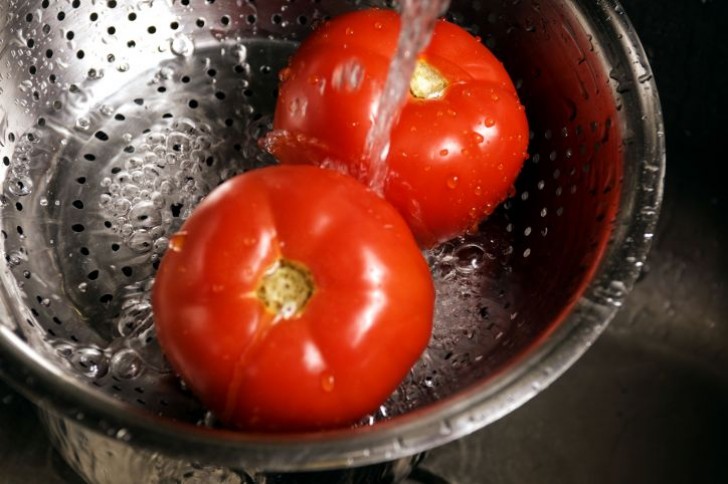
column 649, row 402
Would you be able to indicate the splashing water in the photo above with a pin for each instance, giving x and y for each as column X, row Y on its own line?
column 418, row 23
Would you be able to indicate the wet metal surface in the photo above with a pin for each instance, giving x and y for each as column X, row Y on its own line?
column 649, row 402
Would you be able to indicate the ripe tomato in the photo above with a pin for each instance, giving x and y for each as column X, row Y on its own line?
column 293, row 298
column 462, row 134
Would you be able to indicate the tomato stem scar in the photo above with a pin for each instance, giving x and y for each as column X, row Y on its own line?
column 427, row 82
column 285, row 289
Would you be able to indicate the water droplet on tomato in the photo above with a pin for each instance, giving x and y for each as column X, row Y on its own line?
column 177, row 241
column 378, row 26
column 444, row 152
column 284, row 74
column 489, row 122
column 327, row 382
column 477, row 138
column 348, row 76
column 453, row 181
column 478, row 190
column 349, row 31
column 298, row 107
column 494, row 97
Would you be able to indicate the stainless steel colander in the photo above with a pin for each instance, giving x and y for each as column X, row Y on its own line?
column 117, row 117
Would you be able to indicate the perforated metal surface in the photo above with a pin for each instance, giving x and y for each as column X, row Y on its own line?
column 116, row 118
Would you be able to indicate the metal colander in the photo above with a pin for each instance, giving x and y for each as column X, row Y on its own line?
column 117, row 117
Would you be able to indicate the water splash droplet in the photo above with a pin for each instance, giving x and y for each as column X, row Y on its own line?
column 126, row 364
column 83, row 123
column 181, row 45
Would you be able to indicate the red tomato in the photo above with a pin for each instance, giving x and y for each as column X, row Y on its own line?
column 293, row 298
column 461, row 138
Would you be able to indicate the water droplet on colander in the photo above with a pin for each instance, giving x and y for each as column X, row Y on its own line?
column 126, row 230
column 64, row 349
column 123, row 434
column 160, row 245
column 241, row 51
column 165, row 187
column 120, row 206
column 178, row 142
column 140, row 241
column 20, row 185
column 126, row 364
column 145, row 215
column 106, row 110
column 164, row 74
column 83, row 287
column 122, row 67
column 90, row 362
column 157, row 232
column 468, row 257
column 95, row 73
column 25, row 85
column 181, row 45
column 157, row 199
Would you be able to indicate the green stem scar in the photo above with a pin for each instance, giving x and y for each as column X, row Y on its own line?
column 286, row 289
column 427, row 82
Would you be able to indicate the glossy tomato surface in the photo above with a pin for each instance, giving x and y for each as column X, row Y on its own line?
column 293, row 298
column 453, row 155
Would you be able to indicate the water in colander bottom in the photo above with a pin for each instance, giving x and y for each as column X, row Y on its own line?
column 95, row 193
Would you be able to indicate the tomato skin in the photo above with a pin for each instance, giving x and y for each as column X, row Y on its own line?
column 366, row 323
column 451, row 160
